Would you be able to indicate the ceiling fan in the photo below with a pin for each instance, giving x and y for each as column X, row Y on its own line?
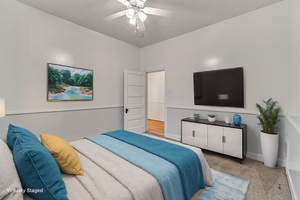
column 137, row 13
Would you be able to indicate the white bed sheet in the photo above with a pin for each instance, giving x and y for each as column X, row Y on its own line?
column 110, row 177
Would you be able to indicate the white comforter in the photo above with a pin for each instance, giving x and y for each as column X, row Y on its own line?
column 110, row 177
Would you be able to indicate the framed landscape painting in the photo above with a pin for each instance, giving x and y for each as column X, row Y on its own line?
column 69, row 83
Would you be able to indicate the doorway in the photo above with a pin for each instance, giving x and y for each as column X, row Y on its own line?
column 156, row 102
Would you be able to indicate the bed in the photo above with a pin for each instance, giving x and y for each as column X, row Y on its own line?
column 110, row 176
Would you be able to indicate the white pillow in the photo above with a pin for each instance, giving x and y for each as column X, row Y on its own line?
column 10, row 184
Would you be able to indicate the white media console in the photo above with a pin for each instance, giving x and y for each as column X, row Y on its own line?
column 218, row 136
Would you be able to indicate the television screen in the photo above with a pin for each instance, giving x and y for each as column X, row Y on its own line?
column 219, row 88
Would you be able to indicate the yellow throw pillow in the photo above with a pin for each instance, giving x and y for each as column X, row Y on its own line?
column 63, row 153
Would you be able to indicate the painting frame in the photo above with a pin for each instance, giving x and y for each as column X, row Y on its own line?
column 50, row 99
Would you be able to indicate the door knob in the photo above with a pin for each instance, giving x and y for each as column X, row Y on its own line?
column 126, row 110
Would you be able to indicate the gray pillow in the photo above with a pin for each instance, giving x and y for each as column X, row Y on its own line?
column 10, row 184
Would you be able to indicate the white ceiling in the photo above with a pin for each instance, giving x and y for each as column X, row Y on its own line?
column 189, row 15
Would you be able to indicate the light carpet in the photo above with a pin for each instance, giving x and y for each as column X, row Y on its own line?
column 225, row 187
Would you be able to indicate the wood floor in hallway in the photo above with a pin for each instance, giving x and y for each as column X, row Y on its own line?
column 156, row 126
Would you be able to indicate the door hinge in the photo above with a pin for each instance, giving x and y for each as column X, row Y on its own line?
column 193, row 133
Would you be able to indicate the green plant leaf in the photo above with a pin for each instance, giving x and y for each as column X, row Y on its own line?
column 268, row 117
column 212, row 116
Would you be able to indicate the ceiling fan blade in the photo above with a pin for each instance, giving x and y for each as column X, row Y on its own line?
column 140, row 24
column 156, row 11
column 141, row 2
column 124, row 2
column 115, row 16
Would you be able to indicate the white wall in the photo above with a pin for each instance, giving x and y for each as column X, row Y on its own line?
column 292, row 127
column 69, row 125
column 156, row 95
column 29, row 39
column 257, row 41
column 294, row 68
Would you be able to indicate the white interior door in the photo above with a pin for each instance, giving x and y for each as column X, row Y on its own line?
column 134, row 101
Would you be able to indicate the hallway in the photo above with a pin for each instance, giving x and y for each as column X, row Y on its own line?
column 156, row 126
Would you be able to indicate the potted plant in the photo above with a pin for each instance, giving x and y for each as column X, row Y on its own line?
column 268, row 119
column 212, row 118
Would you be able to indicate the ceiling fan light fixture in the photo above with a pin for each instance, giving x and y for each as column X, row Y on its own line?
column 133, row 20
column 146, row 10
column 140, row 2
column 130, row 12
column 126, row 3
column 142, row 16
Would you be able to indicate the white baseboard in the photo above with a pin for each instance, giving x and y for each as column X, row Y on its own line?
column 294, row 197
column 259, row 157
column 254, row 156
column 173, row 136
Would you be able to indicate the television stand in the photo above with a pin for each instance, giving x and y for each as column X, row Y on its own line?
column 218, row 136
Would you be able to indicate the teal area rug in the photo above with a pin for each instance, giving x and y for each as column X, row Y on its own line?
column 225, row 187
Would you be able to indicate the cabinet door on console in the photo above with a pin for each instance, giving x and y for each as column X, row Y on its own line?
column 233, row 142
column 214, row 135
column 200, row 139
column 187, row 133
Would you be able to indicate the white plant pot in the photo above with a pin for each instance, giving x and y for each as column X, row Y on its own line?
column 269, row 147
column 211, row 119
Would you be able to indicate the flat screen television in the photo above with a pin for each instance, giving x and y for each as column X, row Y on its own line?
column 219, row 88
